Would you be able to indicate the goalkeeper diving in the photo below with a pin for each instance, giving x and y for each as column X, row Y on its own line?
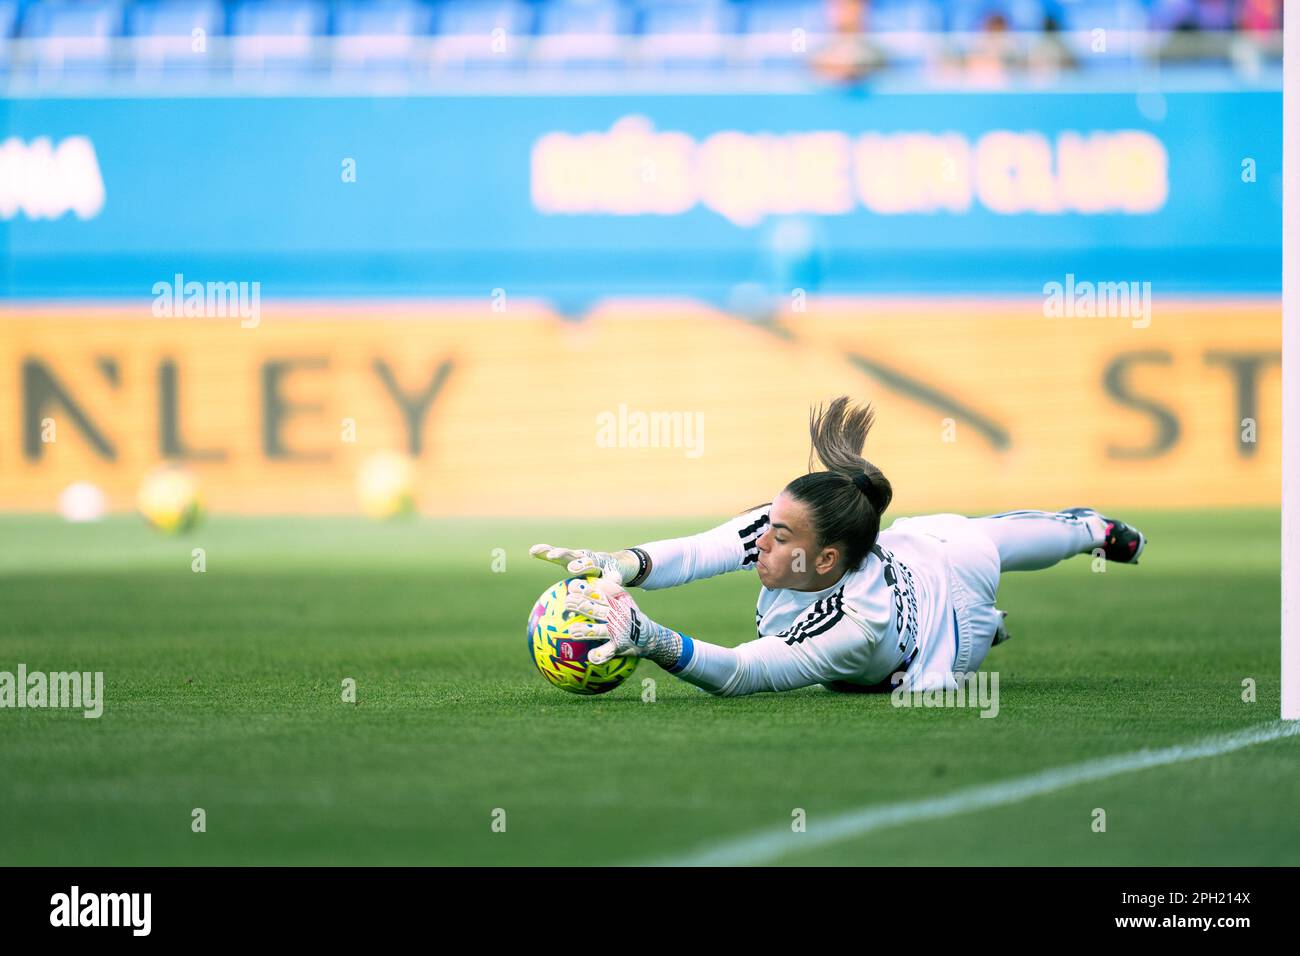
column 843, row 603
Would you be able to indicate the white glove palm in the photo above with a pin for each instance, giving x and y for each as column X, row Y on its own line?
column 630, row 632
column 585, row 562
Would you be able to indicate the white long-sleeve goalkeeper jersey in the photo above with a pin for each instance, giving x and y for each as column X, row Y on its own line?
column 871, row 624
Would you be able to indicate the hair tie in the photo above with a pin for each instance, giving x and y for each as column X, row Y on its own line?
column 863, row 483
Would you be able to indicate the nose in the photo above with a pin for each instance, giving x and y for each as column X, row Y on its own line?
column 764, row 541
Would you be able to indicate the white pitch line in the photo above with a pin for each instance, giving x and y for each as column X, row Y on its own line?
column 767, row 845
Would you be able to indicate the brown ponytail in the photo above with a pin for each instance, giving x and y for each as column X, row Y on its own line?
column 848, row 498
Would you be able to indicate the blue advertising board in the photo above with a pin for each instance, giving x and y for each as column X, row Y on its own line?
column 580, row 196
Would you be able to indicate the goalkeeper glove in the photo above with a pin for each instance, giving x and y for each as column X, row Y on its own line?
column 619, row 566
column 617, row 617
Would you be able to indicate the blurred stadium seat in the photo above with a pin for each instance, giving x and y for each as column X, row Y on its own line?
column 380, row 36
column 686, row 31
column 173, row 36
column 1192, row 14
column 73, row 39
column 1105, row 14
column 277, row 37
column 780, row 32
column 8, row 18
column 1123, row 24
column 1027, row 14
column 480, row 34
column 967, row 16
column 8, row 24
column 582, row 33
column 902, row 29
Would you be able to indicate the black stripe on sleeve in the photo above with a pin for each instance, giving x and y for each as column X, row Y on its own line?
column 749, row 536
column 818, row 619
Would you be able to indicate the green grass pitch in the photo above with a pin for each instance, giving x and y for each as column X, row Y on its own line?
column 223, row 691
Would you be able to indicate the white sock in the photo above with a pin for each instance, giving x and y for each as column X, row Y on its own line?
column 1030, row 540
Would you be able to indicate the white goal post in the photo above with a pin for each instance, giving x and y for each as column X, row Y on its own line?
column 1291, row 365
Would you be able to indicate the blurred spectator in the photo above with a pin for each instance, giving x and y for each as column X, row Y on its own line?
column 1050, row 54
column 994, row 53
column 1260, row 16
column 985, row 42
column 1195, row 29
column 848, row 55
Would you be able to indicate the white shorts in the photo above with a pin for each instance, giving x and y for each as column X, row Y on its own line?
column 974, row 566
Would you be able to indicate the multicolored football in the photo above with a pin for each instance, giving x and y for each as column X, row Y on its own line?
column 563, row 659
column 169, row 499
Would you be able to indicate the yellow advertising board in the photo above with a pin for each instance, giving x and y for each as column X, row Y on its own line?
column 645, row 408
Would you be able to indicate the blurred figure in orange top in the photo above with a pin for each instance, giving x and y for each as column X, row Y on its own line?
column 848, row 55
column 994, row 53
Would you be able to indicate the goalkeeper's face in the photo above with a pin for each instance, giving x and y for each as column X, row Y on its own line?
column 788, row 555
